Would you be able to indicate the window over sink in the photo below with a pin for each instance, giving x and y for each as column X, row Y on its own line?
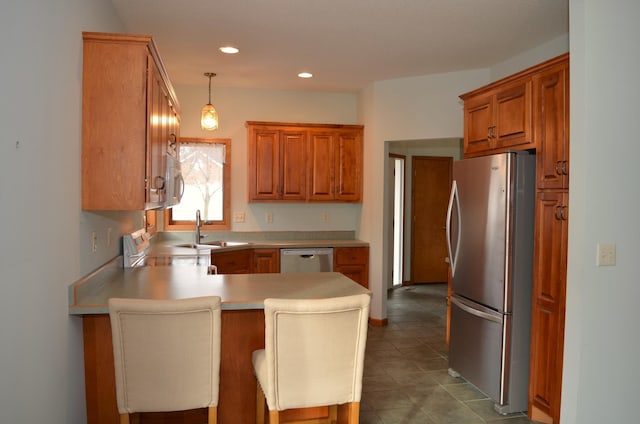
column 206, row 169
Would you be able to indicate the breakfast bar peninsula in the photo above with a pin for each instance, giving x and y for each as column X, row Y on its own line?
column 242, row 328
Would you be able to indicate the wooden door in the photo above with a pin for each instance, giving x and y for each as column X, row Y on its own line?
column 156, row 183
column 548, row 309
column 478, row 118
column 293, row 165
column 321, row 165
column 233, row 262
column 266, row 261
column 431, row 183
column 551, row 103
column 512, row 115
column 264, row 175
column 348, row 166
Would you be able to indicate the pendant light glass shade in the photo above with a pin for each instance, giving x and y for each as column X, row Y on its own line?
column 209, row 118
column 209, row 114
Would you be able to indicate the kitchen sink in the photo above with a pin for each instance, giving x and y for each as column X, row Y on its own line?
column 193, row 246
column 174, row 260
column 212, row 244
column 221, row 243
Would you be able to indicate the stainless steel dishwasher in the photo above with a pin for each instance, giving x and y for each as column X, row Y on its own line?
column 306, row 260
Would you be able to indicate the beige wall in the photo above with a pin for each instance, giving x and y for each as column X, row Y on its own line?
column 602, row 342
column 405, row 109
column 46, row 243
column 236, row 106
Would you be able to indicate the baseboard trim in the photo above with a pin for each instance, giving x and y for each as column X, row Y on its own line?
column 378, row 322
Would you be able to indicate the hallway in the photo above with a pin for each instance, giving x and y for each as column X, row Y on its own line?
column 405, row 377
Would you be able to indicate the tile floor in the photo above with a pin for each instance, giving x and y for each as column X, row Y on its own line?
column 405, row 378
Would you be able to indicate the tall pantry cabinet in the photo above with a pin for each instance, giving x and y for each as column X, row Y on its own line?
column 530, row 111
column 130, row 122
column 551, row 101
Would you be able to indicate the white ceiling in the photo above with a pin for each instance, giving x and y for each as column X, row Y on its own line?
column 346, row 44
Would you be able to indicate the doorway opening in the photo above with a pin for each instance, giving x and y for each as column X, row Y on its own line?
column 398, row 164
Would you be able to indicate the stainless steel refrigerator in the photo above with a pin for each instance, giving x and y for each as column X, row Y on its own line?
column 490, row 226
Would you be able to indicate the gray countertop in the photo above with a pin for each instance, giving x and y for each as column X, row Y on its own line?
column 238, row 291
column 172, row 247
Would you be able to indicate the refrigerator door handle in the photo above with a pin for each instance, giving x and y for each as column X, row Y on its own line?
column 453, row 257
column 473, row 311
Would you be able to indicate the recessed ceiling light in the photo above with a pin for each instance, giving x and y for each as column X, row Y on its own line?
column 229, row 49
column 305, row 75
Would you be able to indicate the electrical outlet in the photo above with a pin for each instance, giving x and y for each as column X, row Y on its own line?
column 238, row 217
column 606, row 254
column 325, row 217
column 94, row 241
column 269, row 217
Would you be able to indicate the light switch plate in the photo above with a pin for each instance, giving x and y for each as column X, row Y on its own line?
column 606, row 254
column 238, row 217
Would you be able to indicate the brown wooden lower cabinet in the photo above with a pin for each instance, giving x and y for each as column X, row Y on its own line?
column 548, row 309
column 266, row 261
column 233, row 262
column 242, row 333
column 247, row 261
column 352, row 262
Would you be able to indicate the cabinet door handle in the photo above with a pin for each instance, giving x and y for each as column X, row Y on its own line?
column 558, row 213
column 565, row 171
column 558, row 168
column 158, row 182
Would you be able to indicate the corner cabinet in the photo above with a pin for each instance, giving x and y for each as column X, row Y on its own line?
column 304, row 162
column 530, row 111
column 130, row 118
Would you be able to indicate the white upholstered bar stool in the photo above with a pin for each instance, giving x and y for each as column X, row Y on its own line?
column 166, row 354
column 313, row 356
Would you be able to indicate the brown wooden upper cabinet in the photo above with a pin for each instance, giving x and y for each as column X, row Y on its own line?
column 335, row 165
column 551, row 130
column 275, row 156
column 498, row 117
column 130, row 117
column 305, row 162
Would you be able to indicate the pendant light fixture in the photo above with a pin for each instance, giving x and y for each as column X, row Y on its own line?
column 209, row 115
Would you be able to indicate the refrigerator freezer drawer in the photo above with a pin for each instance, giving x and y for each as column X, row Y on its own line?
column 476, row 347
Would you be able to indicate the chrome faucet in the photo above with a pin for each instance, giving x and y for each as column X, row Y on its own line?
column 198, row 225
